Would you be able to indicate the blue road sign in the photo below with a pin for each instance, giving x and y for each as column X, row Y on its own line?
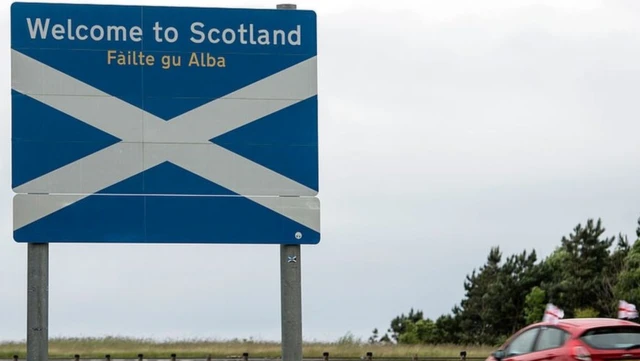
column 158, row 124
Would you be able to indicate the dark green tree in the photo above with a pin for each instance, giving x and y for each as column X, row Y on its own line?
column 611, row 276
column 534, row 305
column 581, row 276
column 418, row 332
column 585, row 275
column 628, row 286
column 399, row 324
column 480, row 311
column 448, row 329
column 374, row 336
column 518, row 276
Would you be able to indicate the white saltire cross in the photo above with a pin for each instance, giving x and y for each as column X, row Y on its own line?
column 148, row 140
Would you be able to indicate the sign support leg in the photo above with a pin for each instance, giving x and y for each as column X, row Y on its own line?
column 38, row 302
column 291, row 289
column 291, row 302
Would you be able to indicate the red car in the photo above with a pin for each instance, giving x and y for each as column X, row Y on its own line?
column 580, row 339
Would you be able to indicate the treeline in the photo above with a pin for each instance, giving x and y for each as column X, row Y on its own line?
column 586, row 275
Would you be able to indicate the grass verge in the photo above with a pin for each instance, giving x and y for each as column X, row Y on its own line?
column 120, row 347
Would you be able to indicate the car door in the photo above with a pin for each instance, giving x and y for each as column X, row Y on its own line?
column 521, row 346
column 549, row 345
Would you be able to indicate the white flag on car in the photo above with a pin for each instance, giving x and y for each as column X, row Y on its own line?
column 552, row 313
column 627, row 310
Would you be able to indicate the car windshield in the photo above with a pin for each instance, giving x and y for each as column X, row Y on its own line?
column 610, row 338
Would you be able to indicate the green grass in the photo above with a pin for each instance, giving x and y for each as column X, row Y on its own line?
column 121, row 347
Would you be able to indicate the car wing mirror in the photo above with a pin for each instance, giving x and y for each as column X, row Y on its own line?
column 498, row 355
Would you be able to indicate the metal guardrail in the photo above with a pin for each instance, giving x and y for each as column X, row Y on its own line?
column 245, row 357
column 268, row 359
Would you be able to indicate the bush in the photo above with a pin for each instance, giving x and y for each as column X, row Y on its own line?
column 586, row 312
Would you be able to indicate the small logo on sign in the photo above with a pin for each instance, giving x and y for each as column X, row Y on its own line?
column 298, row 235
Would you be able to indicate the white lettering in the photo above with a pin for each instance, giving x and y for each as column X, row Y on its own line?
column 136, row 34
column 242, row 31
column 295, row 33
column 195, row 29
column 38, row 27
column 44, row 28
column 245, row 34
column 224, row 36
column 80, row 36
column 210, row 35
column 171, row 34
column 157, row 29
column 275, row 36
column 263, row 39
column 100, row 31
column 68, row 31
column 57, row 31
column 251, row 39
column 116, row 31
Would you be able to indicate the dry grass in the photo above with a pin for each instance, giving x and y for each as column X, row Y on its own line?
column 119, row 347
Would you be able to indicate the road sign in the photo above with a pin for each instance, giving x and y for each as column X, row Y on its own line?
column 158, row 124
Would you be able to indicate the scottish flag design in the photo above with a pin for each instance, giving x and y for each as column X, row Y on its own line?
column 164, row 124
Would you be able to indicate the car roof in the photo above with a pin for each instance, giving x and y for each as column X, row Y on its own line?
column 577, row 326
column 586, row 323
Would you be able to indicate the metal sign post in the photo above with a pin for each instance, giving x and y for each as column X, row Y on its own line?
column 38, row 302
column 291, row 289
column 291, row 302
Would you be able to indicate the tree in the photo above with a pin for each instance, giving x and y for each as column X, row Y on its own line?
column 385, row 338
column 611, row 276
column 553, row 276
column 586, row 312
column 374, row 336
column 494, row 303
column 400, row 323
column 628, row 285
column 426, row 331
column 517, row 277
column 419, row 332
column 585, row 275
column 448, row 328
column 480, row 309
column 535, row 303
column 582, row 272
column 410, row 334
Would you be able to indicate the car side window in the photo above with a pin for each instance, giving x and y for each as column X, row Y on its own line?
column 551, row 337
column 523, row 343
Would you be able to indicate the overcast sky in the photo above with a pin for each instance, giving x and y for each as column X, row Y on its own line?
column 446, row 127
